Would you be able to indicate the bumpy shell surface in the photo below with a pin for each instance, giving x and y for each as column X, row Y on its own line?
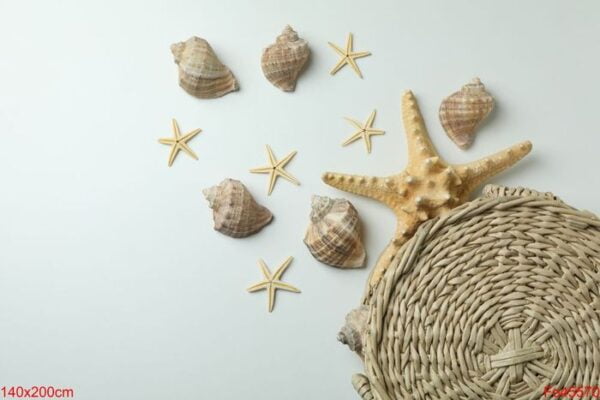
column 235, row 211
column 285, row 59
column 353, row 333
column 333, row 235
column 201, row 74
column 462, row 111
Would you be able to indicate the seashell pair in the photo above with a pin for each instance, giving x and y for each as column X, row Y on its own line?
column 461, row 112
column 283, row 61
column 333, row 235
column 235, row 212
column 201, row 74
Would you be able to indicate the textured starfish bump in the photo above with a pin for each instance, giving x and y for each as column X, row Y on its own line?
column 427, row 188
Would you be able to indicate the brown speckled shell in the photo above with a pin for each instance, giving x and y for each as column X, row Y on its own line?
column 285, row 59
column 235, row 212
column 201, row 74
column 462, row 111
column 333, row 235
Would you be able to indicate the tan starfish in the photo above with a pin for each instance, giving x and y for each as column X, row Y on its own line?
column 365, row 131
column 178, row 142
column 272, row 282
column 348, row 56
column 427, row 188
column 276, row 169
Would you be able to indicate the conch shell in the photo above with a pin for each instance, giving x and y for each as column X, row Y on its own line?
column 201, row 74
column 284, row 60
column 462, row 111
column 333, row 235
column 235, row 211
column 353, row 332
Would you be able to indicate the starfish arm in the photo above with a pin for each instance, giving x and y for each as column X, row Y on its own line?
column 168, row 141
column 176, row 131
column 353, row 138
column 265, row 270
column 271, row 297
column 173, row 154
column 339, row 65
column 475, row 173
column 285, row 286
column 262, row 170
column 284, row 161
column 373, row 132
column 359, row 54
column 337, row 49
column 272, row 179
column 419, row 144
column 190, row 135
column 287, row 176
column 282, row 268
column 354, row 122
column 370, row 120
column 272, row 159
column 379, row 189
column 258, row 286
column 349, row 43
column 367, row 142
column 352, row 64
column 183, row 146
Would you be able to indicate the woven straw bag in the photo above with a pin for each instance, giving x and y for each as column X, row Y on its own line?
column 500, row 299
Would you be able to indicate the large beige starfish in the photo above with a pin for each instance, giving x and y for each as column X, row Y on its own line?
column 178, row 142
column 427, row 188
column 272, row 282
column 348, row 56
column 365, row 131
column 276, row 169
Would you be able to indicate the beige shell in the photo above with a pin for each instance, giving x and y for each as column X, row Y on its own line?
column 463, row 111
column 284, row 60
column 353, row 332
column 201, row 74
column 333, row 235
column 235, row 212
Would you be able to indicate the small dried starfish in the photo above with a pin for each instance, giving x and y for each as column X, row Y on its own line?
column 178, row 142
column 276, row 169
column 272, row 282
column 348, row 56
column 427, row 188
column 364, row 131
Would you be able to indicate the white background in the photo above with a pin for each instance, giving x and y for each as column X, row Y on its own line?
column 112, row 280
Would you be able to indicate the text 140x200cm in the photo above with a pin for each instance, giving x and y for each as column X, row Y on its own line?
column 36, row 392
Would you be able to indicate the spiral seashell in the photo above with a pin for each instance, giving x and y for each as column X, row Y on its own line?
column 284, row 60
column 235, row 212
column 353, row 333
column 201, row 74
column 462, row 111
column 333, row 235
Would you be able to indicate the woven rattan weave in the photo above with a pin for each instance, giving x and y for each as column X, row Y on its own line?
column 497, row 300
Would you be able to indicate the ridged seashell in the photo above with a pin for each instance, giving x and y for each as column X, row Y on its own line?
column 462, row 111
column 283, row 61
column 352, row 333
column 201, row 74
column 235, row 211
column 333, row 235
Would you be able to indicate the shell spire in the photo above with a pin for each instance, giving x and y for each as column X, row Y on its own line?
column 428, row 187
